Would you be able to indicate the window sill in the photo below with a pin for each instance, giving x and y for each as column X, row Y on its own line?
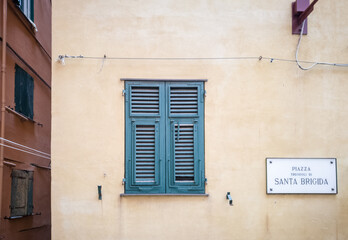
column 22, row 216
column 14, row 217
column 21, row 116
column 18, row 114
column 10, row 164
column 38, row 166
column 163, row 195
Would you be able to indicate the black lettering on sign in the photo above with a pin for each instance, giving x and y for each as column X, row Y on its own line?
column 301, row 168
column 314, row 181
column 285, row 181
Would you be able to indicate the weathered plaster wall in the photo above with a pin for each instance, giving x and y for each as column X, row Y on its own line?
column 253, row 110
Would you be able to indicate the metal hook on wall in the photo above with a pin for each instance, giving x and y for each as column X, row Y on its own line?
column 99, row 192
column 229, row 198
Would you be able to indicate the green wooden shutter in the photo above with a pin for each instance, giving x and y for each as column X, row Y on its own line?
column 21, row 193
column 145, row 134
column 30, row 97
column 185, row 138
column 31, row 10
column 19, row 85
column 164, row 137
column 24, row 92
column 30, row 205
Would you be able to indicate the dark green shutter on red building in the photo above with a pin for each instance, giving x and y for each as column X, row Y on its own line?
column 31, row 8
column 24, row 92
column 164, row 137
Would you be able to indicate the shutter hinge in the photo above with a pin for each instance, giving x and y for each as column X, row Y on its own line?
column 204, row 95
column 123, row 181
column 206, row 181
column 123, row 92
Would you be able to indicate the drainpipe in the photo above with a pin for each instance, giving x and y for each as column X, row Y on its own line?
column 3, row 75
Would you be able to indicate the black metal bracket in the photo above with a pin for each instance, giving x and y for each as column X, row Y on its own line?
column 99, row 192
column 229, row 198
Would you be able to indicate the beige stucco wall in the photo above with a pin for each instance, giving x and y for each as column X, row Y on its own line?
column 253, row 110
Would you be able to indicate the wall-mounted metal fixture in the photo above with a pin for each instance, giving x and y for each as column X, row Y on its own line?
column 300, row 11
column 229, row 198
column 99, row 192
column 16, row 217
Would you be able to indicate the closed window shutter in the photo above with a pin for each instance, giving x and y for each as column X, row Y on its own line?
column 30, row 205
column 144, row 138
column 31, row 10
column 21, row 193
column 24, row 93
column 19, row 85
column 164, row 137
column 30, row 97
column 185, row 138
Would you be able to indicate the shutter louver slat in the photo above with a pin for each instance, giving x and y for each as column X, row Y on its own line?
column 145, row 100
column 145, row 153
column 184, row 100
column 184, row 153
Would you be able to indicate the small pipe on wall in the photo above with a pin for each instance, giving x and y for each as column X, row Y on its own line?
column 3, row 77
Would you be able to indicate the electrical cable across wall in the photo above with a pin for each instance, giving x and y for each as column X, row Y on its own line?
column 62, row 58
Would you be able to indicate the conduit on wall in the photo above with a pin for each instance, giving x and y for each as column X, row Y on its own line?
column 3, row 75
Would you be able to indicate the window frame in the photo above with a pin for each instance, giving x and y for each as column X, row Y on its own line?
column 165, row 161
